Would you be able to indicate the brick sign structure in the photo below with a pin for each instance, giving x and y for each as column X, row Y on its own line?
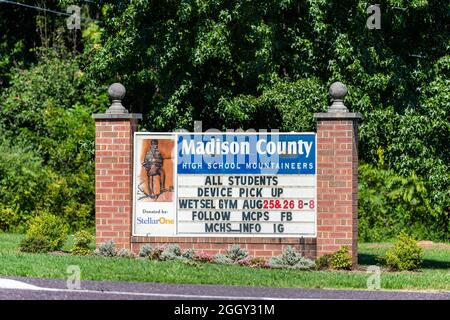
column 209, row 191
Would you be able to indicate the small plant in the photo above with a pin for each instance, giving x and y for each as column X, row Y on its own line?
column 235, row 253
column 405, row 255
column 291, row 259
column 34, row 245
column 203, row 257
column 189, row 254
column 323, row 262
column 341, row 259
column 77, row 251
column 146, row 251
column 125, row 253
column 156, row 253
column 46, row 232
column 245, row 262
column 106, row 249
column 171, row 252
column 222, row 259
column 83, row 240
column 254, row 262
column 259, row 262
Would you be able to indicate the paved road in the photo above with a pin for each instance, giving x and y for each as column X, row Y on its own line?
column 17, row 288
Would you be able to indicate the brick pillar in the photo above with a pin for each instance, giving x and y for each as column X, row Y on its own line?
column 114, row 171
column 337, row 176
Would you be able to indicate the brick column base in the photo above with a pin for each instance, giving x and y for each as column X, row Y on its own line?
column 114, row 177
column 337, row 182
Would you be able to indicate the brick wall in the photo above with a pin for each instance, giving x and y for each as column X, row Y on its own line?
column 256, row 247
column 113, row 178
column 337, row 184
column 337, row 165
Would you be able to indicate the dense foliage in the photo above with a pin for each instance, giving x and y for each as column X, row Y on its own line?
column 338, row 260
column 341, row 259
column 47, row 149
column 405, row 255
column 231, row 64
column 82, row 243
column 45, row 232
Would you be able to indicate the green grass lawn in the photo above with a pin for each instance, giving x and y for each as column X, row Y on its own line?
column 434, row 276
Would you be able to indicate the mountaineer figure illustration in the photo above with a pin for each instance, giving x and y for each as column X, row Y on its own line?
column 153, row 163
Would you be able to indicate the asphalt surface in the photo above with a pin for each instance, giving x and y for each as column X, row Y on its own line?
column 19, row 288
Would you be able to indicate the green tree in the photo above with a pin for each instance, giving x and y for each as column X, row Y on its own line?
column 46, row 115
column 268, row 64
column 241, row 64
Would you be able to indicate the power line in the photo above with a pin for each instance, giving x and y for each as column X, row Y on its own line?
column 46, row 10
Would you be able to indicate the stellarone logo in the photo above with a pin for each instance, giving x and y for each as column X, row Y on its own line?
column 149, row 220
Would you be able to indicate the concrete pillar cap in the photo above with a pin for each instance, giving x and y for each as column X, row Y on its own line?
column 116, row 93
column 338, row 91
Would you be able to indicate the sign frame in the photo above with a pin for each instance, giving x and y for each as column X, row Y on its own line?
column 175, row 136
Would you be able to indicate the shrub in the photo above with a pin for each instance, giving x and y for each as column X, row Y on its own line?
column 189, row 254
column 8, row 218
column 125, row 253
column 145, row 251
column 254, row 262
column 323, row 262
column 156, row 253
column 203, row 257
column 245, row 262
column 106, row 249
column 341, row 259
column 48, row 231
column 235, row 253
column 23, row 181
column 259, row 262
column 390, row 202
column 79, row 251
column 171, row 252
column 34, row 245
column 45, row 115
column 405, row 255
column 291, row 259
column 222, row 259
column 83, row 240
